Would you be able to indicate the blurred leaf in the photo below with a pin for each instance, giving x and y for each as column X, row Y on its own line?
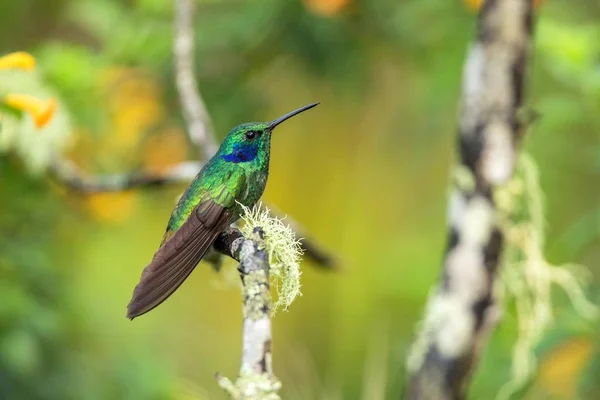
column 20, row 350
column 560, row 370
column 111, row 207
column 73, row 70
column 155, row 7
column 571, row 51
column 164, row 148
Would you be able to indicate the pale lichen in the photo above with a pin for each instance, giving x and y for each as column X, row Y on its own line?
column 251, row 385
column 284, row 252
column 256, row 294
column 527, row 277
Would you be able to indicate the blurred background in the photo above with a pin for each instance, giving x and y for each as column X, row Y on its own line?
column 366, row 173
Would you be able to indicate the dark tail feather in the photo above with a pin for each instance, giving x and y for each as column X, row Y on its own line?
column 172, row 264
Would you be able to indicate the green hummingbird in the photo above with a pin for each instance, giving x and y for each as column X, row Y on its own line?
column 236, row 174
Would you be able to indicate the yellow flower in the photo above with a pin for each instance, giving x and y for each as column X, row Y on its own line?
column 111, row 207
column 19, row 60
column 561, row 369
column 41, row 111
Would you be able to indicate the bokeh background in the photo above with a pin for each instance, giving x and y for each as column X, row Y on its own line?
column 366, row 173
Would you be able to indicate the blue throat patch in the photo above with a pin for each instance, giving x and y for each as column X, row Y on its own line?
column 242, row 153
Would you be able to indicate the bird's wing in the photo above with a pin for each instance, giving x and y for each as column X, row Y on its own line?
column 178, row 256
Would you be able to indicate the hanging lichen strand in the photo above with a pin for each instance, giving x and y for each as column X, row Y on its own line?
column 527, row 278
column 284, row 253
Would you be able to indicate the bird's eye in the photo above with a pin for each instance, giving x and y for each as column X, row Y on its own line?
column 251, row 135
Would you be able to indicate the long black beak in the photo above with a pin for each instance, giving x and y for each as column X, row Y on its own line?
column 289, row 115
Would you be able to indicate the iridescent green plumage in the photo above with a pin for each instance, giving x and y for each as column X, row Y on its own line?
column 226, row 182
column 237, row 174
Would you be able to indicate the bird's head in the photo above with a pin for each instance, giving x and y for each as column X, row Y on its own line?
column 245, row 142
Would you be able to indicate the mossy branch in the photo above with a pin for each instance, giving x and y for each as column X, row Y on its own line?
column 266, row 249
column 256, row 380
column 463, row 310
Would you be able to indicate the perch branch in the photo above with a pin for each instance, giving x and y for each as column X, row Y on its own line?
column 196, row 116
column 229, row 243
column 255, row 380
column 463, row 310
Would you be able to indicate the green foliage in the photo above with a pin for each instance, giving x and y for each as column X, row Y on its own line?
column 45, row 350
column 571, row 52
column 73, row 72
column 36, row 326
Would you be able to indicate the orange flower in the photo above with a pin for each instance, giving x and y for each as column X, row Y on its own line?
column 19, row 60
column 326, row 7
column 475, row 5
column 41, row 111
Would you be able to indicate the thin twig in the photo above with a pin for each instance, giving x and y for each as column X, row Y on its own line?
column 255, row 380
column 463, row 311
column 196, row 116
column 70, row 175
column 310, row 247
column 66, row 173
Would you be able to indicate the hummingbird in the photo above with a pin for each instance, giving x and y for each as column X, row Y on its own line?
column 236, row 175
